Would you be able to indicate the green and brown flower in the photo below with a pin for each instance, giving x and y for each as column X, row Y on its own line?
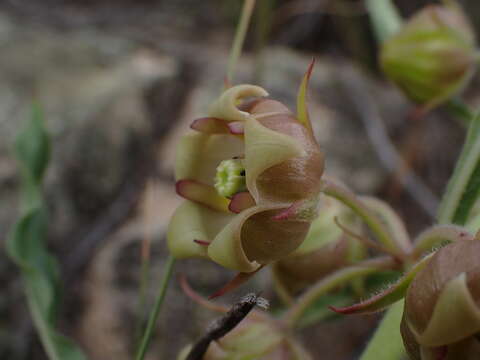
column 250, row 173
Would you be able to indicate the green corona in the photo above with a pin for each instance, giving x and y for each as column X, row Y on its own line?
column 230, row 177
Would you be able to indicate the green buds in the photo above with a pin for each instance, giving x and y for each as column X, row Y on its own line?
column 442, row 313
column 250, row 173
column 433, row 56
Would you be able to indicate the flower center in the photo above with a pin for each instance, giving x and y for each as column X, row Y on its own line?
column 230, row 177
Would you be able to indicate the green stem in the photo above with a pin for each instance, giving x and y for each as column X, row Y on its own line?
column 332, row 281
column 41, row 325
column 437, row 235
column 144, row 280
column 240, row 34
column 384, row 17
column 467, row 162
column 156, row 308
column 387, row 343
column 358, row 207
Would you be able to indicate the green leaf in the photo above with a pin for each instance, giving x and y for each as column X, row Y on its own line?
column 32, row 147
column 463, row 187
column 384, row 17
column 387, row 343
column 26, row 243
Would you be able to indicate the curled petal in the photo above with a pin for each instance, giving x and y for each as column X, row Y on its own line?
column 198, row 155
column 455, row 317
column 226, row 107
column 191, row 222
column 252, row 238
column 202, row 194
column 210, row 125
column 265, row 148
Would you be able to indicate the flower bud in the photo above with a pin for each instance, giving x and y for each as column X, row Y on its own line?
column 254, row 338
column 325, row 249
column 442, row 313
column 250, row 174
column 433, row 56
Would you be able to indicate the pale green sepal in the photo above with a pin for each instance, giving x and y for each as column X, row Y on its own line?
column 455, row 317
column 227, row 249
column 191, row 222
column 198, row 155
column 302, row 107
column 265, row 148
column 226, row 107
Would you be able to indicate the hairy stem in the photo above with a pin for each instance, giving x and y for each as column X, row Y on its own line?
column 332, row 281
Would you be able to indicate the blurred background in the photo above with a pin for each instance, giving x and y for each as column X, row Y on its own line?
column 119, row 83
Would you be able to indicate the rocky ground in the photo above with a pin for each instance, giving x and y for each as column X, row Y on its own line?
column 116, row 100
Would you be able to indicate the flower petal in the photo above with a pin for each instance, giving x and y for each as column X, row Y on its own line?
column 226, row 105
column 227, row 249
column 455, row 317
column 191, row 222
column 265, row 148
column 210, row 125
column 253, row 238
column 241, row 201
column 198, row 155
column 203, row 194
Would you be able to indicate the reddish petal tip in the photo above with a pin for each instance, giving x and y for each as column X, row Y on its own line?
column 201, row 242
column 241, row 201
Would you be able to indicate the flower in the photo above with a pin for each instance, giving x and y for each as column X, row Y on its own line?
column 326, row 249
column 433, row 56
column 250, row 173
column 442, row 313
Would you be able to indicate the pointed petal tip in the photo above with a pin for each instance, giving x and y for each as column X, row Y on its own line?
column 241, row 201
column 234, row 283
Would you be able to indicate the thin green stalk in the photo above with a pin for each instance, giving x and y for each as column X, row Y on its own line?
column 466, row 164
column 358, row 207
column 142, row 296
column 263, row 24
column 41, row 326
column 384, row 17
column 387, row 343
column 156, row 309
column 332, row 281
column 240, row 34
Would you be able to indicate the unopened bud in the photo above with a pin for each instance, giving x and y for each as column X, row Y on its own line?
column 442, row 315
column 433, row 56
